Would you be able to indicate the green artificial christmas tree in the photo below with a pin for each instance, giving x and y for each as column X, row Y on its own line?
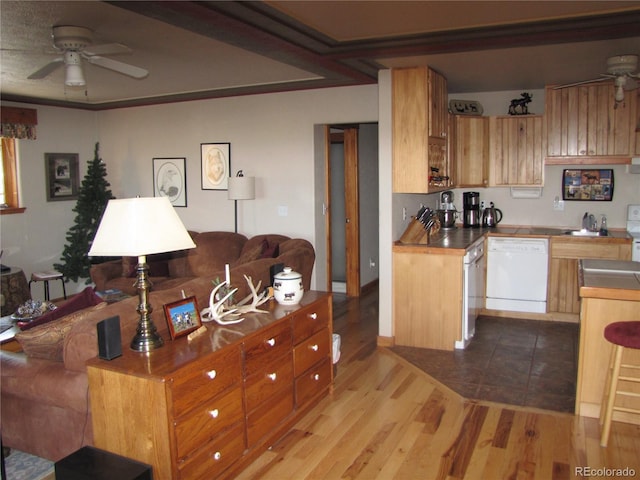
column 93, row 196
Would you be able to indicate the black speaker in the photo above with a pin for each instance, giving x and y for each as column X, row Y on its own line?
column 109, row 339
column 274, row 270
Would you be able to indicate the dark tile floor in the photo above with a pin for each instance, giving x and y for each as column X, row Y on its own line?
column 518, row 362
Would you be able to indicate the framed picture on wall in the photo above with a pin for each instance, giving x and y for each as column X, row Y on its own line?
column 215, row 165
column 63, row 172
column 591, row 184
column 170, row 180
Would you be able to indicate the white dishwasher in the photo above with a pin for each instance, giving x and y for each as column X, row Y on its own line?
column 517, row 270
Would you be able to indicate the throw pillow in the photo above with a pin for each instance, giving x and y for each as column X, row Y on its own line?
column 253, row 253
column 47, row 341
column 272, row 251
column 86, row 298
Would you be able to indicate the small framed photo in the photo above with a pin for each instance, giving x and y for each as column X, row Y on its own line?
column 63, row 174
column 170, row 180
column 215, row 165
column 183, row 317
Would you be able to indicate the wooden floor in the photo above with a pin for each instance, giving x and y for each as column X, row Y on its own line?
column 387, row 419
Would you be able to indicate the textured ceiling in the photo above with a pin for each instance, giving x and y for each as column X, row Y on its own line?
column 211, row 49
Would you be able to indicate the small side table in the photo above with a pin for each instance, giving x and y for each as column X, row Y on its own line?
column 45, row 277
column 15, row 290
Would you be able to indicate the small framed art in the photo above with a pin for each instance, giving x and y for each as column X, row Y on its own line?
column 215, row 161
column 63, row 174
column 182, row 317
column 587, row 184
column 170, row 180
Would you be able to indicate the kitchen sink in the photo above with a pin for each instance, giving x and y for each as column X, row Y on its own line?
column 584, row 233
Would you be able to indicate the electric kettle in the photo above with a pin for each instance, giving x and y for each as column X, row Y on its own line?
column 491, row 216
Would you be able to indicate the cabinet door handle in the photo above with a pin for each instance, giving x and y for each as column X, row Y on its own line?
column 313, row 316
column 272, row 376
column 316, row 376
column 271, row 342
column 217, row 456
column 214, row 413
column 212, row 374
column 314, row 347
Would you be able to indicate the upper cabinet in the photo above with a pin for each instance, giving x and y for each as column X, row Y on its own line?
column 517, row 147
column 420, row 121
column 469, row 150
column 585, row 126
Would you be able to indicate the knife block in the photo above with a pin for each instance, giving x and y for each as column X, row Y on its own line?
column 415, row 233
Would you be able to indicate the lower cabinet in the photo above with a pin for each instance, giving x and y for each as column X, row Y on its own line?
column 562, row 287
column 206, row 408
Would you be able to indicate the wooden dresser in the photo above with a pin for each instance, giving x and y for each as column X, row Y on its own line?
column 207, row 408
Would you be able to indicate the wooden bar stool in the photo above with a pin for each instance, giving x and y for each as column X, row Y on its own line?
column 622, row 335
column 45, row 277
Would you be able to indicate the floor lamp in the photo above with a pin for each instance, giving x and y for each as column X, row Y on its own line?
column 137, row 227
column 241, row 188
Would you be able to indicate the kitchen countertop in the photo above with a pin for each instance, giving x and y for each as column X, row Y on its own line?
column 456, row 240
column 609, row 279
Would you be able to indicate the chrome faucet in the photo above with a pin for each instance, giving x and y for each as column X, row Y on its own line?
column 589, row 222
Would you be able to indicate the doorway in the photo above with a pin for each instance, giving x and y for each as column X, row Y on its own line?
column 351, row 206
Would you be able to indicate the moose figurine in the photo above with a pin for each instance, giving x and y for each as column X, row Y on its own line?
column 519, row 105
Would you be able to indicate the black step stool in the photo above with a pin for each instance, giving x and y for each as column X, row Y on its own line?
column 90, row 463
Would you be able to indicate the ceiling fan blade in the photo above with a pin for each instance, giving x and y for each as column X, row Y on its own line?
column 47, row 69
column 107, row 49
column 120, row 67
column 584, row 82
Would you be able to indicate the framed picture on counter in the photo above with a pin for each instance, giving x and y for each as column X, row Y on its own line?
column 587, row 184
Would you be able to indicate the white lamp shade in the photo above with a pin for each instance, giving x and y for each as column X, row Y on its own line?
column 139, row 226
column 241, row 188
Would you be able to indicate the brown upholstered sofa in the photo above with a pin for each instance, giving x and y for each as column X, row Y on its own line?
column 44, row 390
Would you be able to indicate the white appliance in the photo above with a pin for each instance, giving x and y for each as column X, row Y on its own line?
column 517, row 270
column 633, row 229
column 473, row 291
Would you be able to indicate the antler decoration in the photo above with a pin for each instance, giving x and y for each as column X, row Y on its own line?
column 218, row 312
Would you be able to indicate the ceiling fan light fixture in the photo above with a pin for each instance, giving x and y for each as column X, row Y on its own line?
column 73, row 76
column 622, row 64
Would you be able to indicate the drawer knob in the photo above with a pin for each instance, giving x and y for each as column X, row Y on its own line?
column 212, row 374
column 217, row 456
column 272, row 376
column 313, row 316
column 214, row 413
column 314, row 347
column 271, row 342
column 316, row 376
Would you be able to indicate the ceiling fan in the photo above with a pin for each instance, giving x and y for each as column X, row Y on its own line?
column 620, row 68
column 75, row 44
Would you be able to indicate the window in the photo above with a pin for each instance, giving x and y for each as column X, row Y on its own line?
column 9, row 181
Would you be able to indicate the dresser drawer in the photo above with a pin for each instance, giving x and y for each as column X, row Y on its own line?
column 266, row 347
column 215, row 457
column 204, row 379
column 213, row 416
column 310, row 320
column 311, row 383
column 268, row 382
column 310, row 352
column 269, row 414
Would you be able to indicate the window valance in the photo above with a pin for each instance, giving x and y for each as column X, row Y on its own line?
column 18, row 122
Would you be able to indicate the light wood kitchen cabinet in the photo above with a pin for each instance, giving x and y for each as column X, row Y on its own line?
column 207, row 408
column 427, row 307
column 585, row 126
column 565, row 252
column 469, row 150
column 517, row 149
column 420, row 123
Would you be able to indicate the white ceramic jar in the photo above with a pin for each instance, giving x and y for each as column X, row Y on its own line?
column 287, row 287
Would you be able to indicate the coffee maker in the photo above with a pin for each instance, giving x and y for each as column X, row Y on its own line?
column 471, row 209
